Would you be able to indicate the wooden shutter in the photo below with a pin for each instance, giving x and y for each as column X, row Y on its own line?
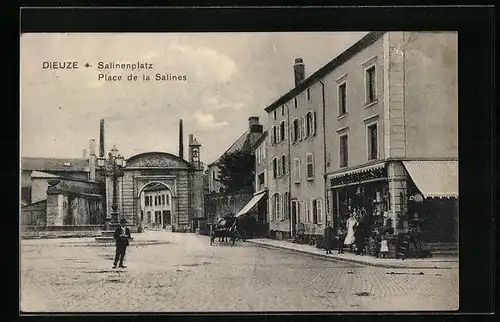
column 314, row 123
column 319, row 204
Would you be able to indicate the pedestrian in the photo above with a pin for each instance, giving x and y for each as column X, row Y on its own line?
column 384, row 246
column 328, row 238
column 122, row 235
column 341, row 234
column 350, row 226
column 359, row 237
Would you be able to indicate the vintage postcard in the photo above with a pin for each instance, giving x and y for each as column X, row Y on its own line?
column 239, row 172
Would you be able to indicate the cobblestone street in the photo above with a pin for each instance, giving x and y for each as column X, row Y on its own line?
column 185, row 273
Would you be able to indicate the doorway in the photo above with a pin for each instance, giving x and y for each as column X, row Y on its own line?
column 167, row 217
column 294, row 217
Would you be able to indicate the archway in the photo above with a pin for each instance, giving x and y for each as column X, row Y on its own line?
column 156, row 205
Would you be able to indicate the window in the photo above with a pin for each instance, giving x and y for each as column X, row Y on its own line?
column 274, row 138
column 295, row 130
column 370, row 79
column 213, row 175
column 168, row 199
column 343, row 150
column 282, row 110
column 156, row 200
column 286, row 206
column 280, row 167
column 295, row 102
column 284, row 164
column 309, row 124
column 308, row 94
column 317, row 211
column 314, row 208
column 257, row 155
column 264, row 150
column 372, row 141
column 282, row 131
column 276, row 206
column 261, row 180
column 274, row 115
column 342, row 90
column 275, row 168
column 162, row 199
column 310, row 166
column 296, row 170
column 302, row 127
column 149, row 216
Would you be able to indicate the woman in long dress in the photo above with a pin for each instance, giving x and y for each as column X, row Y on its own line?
column 351, row 223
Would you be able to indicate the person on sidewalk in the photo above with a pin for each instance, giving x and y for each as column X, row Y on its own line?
column 122, row 235
column 351, row 226
column 341, row 234
column 328, row 234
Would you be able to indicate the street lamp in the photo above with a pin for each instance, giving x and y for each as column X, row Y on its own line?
column 113, row 167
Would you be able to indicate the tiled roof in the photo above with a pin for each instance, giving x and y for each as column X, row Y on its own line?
column 54, row 164
column 236, row 146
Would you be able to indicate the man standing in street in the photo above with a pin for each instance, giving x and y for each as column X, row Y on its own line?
column 328, row 238
column 122, row 235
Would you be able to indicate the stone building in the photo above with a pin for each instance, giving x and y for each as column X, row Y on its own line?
column 217, row 202
column 375, row 130
column 181, row 180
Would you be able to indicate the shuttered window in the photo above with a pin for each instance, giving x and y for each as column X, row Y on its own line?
column 296, row 170
column 310, row 166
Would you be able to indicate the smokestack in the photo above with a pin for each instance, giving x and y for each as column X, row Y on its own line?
column 101, row 139
column 181, row 141
column 92, row 159
column 299, row 71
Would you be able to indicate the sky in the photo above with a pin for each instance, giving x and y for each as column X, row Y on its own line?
column 229, row 77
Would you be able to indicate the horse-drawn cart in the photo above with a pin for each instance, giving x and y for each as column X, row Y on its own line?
column 226, row 230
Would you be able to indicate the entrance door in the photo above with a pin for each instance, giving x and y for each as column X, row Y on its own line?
column 167, row 217
column 294, row 217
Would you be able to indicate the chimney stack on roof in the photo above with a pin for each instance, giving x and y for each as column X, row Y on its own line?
column 253, row 125
column 92, row 159
column 299, row 71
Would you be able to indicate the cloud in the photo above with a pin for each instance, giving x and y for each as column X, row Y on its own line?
column 207, row 121
column 205, row 62
column 215, row 103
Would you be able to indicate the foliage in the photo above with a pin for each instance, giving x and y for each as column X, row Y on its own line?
column 236, row 171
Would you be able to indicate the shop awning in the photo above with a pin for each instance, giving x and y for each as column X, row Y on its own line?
column 434, row 178
column 251, row 204
column 359, row 170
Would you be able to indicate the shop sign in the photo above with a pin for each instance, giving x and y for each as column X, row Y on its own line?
column 417, row 198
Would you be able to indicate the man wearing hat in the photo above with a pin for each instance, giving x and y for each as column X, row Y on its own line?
column 122, row 234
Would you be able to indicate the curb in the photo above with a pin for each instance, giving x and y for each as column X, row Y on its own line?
column 357, row 261
column 102, row 244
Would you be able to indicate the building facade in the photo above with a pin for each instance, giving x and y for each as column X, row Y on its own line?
column 393, row 132
column 374, row 131
column 156, row 202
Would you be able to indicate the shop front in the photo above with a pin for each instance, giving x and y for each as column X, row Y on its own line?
column 433, row 203
column 361, row 193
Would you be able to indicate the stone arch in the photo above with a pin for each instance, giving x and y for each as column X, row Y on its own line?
column 153, row 182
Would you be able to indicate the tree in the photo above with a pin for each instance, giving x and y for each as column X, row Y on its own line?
column 236, row 171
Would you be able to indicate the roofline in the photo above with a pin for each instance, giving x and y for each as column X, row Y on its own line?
column 364, row 42
column 217, row 160
column 261, row 139
column 157, row 152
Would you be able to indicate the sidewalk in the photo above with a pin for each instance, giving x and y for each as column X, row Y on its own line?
column 433, row 262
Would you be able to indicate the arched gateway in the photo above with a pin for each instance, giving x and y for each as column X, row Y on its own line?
column 165, row 185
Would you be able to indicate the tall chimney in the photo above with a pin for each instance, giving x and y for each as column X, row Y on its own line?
column 101, row 139
column 92, row 159
column 181, row 141
column 299, row 71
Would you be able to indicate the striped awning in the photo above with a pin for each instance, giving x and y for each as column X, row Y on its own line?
column 434, row 178
column 251, row 204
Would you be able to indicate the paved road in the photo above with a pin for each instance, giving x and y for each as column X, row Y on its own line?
column 187, row 275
